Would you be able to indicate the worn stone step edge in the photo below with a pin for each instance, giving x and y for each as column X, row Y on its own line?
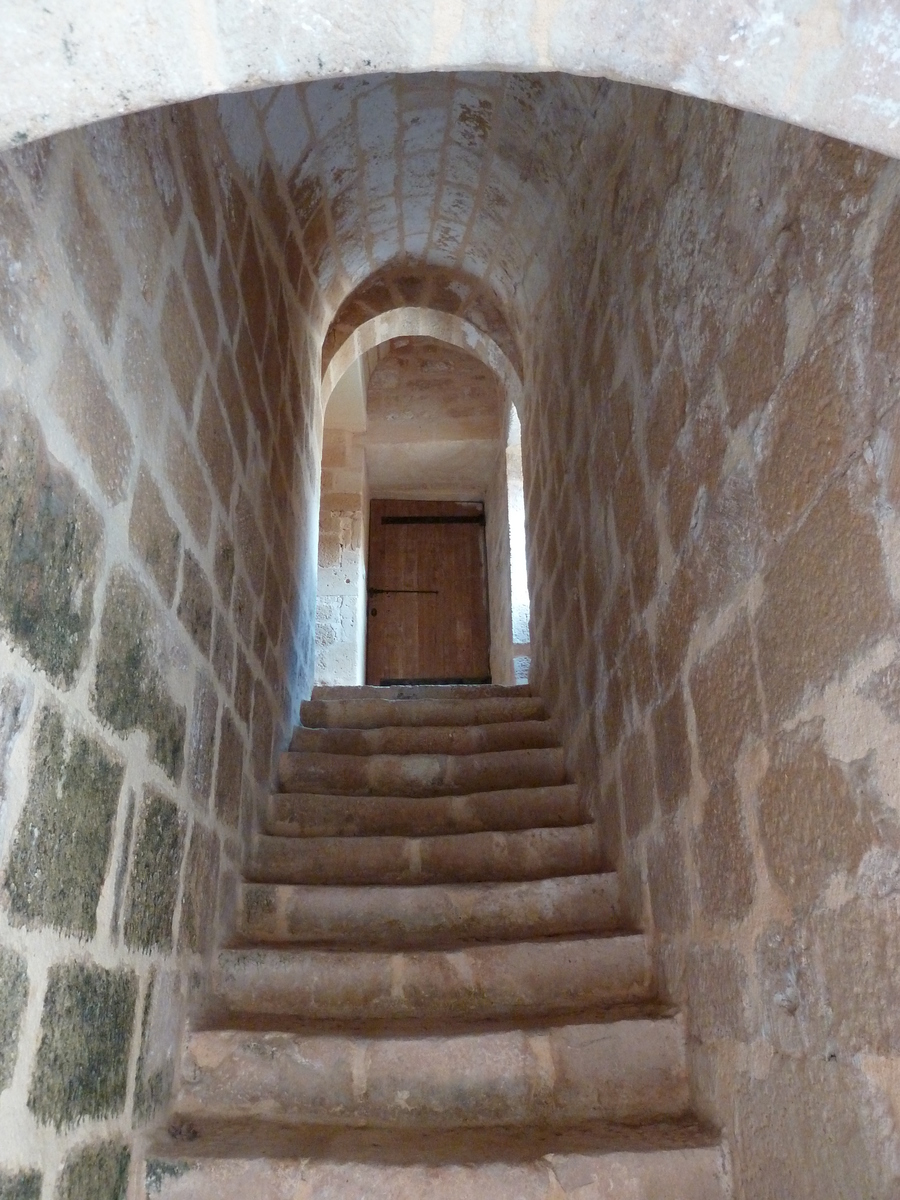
column 308, row 814
column 378, row 713
column 427, row 739
column 498, row 980
column 429, row 914
column 443, row 858
column 419, row 774
column 625, row 1071
column 285, row 1167
column 422, row 691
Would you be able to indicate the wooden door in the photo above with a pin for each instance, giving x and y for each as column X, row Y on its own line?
column 427, row 615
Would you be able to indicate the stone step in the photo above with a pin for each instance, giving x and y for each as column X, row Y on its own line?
column 449, row 858
column 427, row 739
column 316, row 815
column 420, row 774
column 615, row 1072
column 376, row 713
column 423, row 691
column 430, row 914
column 514, row 979
column 265, row 1161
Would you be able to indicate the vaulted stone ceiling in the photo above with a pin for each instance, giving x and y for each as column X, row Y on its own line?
column 435, row 190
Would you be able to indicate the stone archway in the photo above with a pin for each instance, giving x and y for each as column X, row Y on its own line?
column 811, row 64
column 340, row 609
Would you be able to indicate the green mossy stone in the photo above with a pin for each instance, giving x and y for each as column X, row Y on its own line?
column 49, row 550
column 158, row 1170
column 153, row 885
column 82, row 1060
column 129, row 692
column 13, row 997
column 20, row 1185
column 61, row 849
column 97, row 1172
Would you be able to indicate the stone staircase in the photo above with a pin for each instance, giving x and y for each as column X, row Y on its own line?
column 433, row 995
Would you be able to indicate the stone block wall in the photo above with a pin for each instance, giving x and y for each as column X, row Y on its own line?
column 343, row 529
column 711, row 460
column 158, row 450
column 496, row 536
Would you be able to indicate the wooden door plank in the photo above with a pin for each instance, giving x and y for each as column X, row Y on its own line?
column 428, row 615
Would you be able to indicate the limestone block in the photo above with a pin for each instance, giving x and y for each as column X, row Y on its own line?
column 81, row 1069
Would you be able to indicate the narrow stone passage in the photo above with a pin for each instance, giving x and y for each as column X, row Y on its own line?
column 433, row 992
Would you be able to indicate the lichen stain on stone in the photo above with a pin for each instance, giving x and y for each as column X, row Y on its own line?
column 60, row 853
column 49, row 548
column 128, row 688
column 13, row 995
column 153, row 886
column 81, row 1069
column 475, row 122
column 158, row 1171
column 98, row 1172
column 20, row 1185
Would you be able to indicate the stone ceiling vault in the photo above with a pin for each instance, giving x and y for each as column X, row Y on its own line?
column 433, row 191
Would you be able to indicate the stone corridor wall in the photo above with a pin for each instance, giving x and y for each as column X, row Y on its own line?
column 341, row 600
column 156, row 587
column 714, row 440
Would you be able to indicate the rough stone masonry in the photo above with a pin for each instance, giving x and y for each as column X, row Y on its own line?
column 704, row 308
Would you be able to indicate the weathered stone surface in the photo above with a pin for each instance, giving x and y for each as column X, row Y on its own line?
column 752, row 365
column 637, row 794
column 129, row 692
column 122, row 868
column 198, row 901
column 223, row 567
column 723, row 856
column 826, row 598
column 156, row 1060
column 884, row 688
column 858, row 946
column 202, row 747
column 717, row 988
column 99, row 1171
column 153, row 883
column 91, row 257
column 195, row 608
column 13, row 996
column 83, row 398
column 20, row 1185
column 442, row 1082
column 154, row 535
column 23, row 273
column 229, row 775
column 431, row 914
column 808, row 430
column 673, row 750
column 694, row 470
column 81, row 1069
column 215, row 445
column 49, row 548
column 726, row 705
column 15, row 699
column 812, row 821
column 61, row 849
column 186, row 476
column 180, row 345
column 802, row 1130
column 667, row 879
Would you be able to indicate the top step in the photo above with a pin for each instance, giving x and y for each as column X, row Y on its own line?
column 422, row 691
column 380, row 712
